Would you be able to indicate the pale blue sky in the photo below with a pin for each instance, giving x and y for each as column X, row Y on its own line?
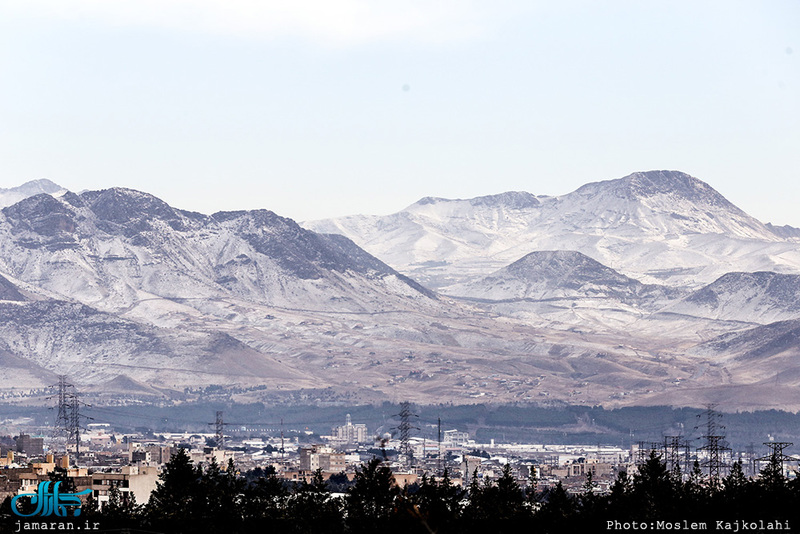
column 322, row 108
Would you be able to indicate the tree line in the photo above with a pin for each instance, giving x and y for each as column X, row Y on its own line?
column 190, row 499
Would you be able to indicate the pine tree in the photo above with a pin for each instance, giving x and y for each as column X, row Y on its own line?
column 656, row 494
column 557, row 512
column 121, row 508
column 175, row 503
column 265, row 498
column 313, row 509
column 371, row 500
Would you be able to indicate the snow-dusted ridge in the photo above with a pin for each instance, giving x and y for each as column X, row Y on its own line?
column 109, row 248
column 559, row 274
column 649, row 288
column 28, row 189
column 662, row 227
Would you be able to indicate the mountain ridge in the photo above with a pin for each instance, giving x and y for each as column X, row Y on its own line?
column 659, row 227
column 120, row 289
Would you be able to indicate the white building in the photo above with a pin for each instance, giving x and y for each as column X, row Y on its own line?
column 350, row 433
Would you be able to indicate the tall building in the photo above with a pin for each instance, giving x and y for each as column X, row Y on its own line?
column 30, row 446
column 350, row 433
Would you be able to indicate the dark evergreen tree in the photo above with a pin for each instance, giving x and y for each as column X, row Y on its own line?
column 620, row 497
column 773, row 498
column 220, row 496
column 176, row 505
column 590, row 505
column 696, row 493
column 475, row 511
column 509, row 497
column 121, row 510
column 558, row 511
column 734, row 498
column 265, row 500
column 370, row 503
column 656, row 493
column 313, row 509
column 437, row 504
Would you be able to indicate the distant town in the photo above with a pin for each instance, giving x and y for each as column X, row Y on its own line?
column 99, row 458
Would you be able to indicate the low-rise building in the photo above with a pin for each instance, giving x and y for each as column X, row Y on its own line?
column 321, row 457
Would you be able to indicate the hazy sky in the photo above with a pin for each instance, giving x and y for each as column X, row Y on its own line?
column 322, row 108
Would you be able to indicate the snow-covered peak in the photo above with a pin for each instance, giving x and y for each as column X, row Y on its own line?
column 116, row 245
column 649, row 184
column 656, row 203
column 656, row 226
column 124, row 206
column 34, row 187
column 13, row 195
column 509, row 199
column 569, row 265
column 551, row 274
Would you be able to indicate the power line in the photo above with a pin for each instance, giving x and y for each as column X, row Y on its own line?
column 646, row 449
column 714, row 448
column 439, row 450
column 776, row 453
column 675, row 449
column 405, row 428
column 219, row 428
column 68, row 420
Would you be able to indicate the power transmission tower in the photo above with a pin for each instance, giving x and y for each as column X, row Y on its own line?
column 68, row 420
column 63, row 420
column 75, row 423
column 714, row 448
column 646, row 448
column 751, row 460
column 776, row 453
column 405, row 428
column 219, row 430
column 675, row 449
column 439, row 450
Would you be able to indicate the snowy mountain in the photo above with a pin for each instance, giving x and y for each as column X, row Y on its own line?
column 661, row 227
column 118, row 284
column 758, row 343
column 42, row 338
column 784, row 231
column 560, row 274
column 760, row 297
column 28, row 189
column 115, row 248
column 127, row 294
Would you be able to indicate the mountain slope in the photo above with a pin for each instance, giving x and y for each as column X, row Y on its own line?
column 57, row 337
column 120, row 290
column 114, row 248
column 760, row 297
column 657, row 226
column 549, row 275
column 28, row 189
column 9, row 291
